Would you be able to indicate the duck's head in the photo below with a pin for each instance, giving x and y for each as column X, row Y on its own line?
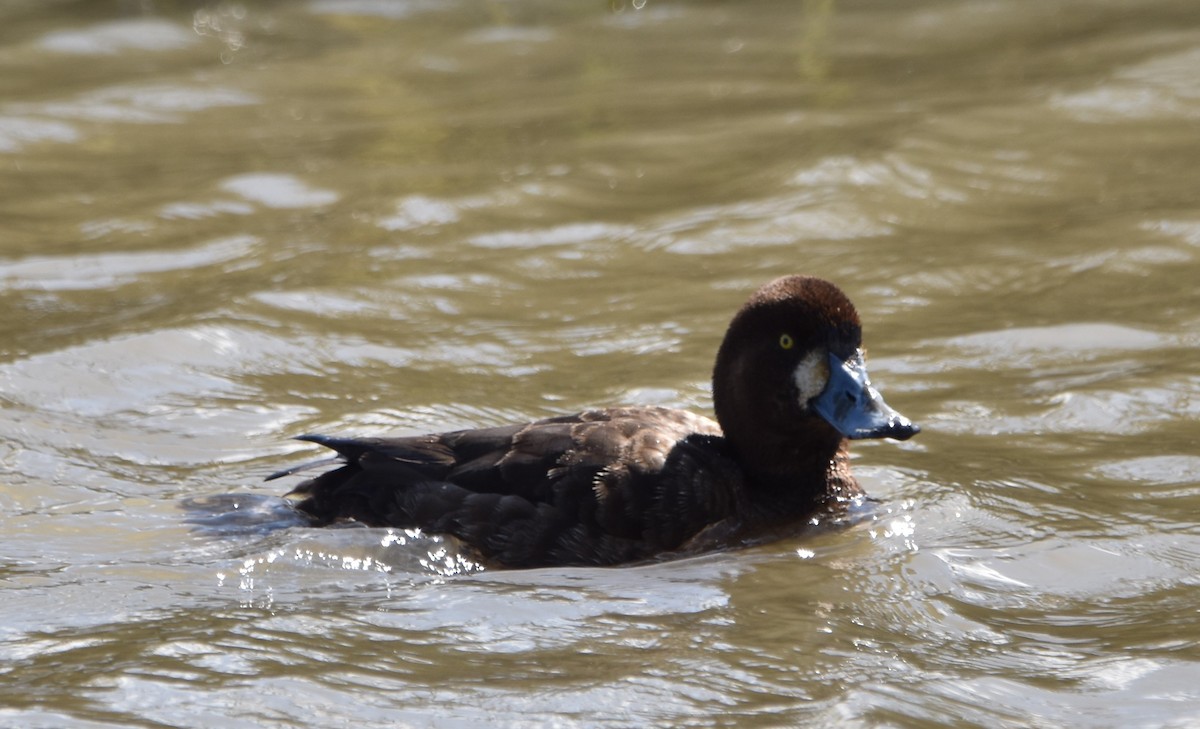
column 790, row 378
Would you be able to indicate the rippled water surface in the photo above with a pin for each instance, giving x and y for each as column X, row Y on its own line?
column 224, row 224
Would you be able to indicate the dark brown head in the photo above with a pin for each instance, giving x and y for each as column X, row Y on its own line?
column 790, row 382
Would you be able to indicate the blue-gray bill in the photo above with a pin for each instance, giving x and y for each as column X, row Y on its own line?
column 856, row 409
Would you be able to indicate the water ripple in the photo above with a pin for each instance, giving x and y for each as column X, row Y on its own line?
column 134, row 34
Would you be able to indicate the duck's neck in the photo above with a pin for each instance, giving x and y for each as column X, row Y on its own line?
column 789, row 481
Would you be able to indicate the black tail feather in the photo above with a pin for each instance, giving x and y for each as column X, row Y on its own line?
column 347, row 449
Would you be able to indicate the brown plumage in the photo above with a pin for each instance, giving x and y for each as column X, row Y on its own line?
column 622, row 485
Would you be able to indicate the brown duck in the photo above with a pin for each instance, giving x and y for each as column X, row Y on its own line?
column 631, row 484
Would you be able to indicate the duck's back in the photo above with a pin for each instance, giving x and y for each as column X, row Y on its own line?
column 599, row 487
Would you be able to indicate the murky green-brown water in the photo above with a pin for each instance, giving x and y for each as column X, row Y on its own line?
column 225, row 224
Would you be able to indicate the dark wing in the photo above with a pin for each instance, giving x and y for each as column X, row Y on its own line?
column 600, row 487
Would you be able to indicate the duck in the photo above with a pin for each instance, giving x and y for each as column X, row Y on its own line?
column 636, row 484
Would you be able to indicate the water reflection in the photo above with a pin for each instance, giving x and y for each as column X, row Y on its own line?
column 108, row 270
column 136, row 34
column 278, row 191
column 17, row 132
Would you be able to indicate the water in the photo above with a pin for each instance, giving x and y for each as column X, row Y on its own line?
column 225, row 224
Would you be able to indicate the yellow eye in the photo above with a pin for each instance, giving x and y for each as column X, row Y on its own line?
column 786, row 341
